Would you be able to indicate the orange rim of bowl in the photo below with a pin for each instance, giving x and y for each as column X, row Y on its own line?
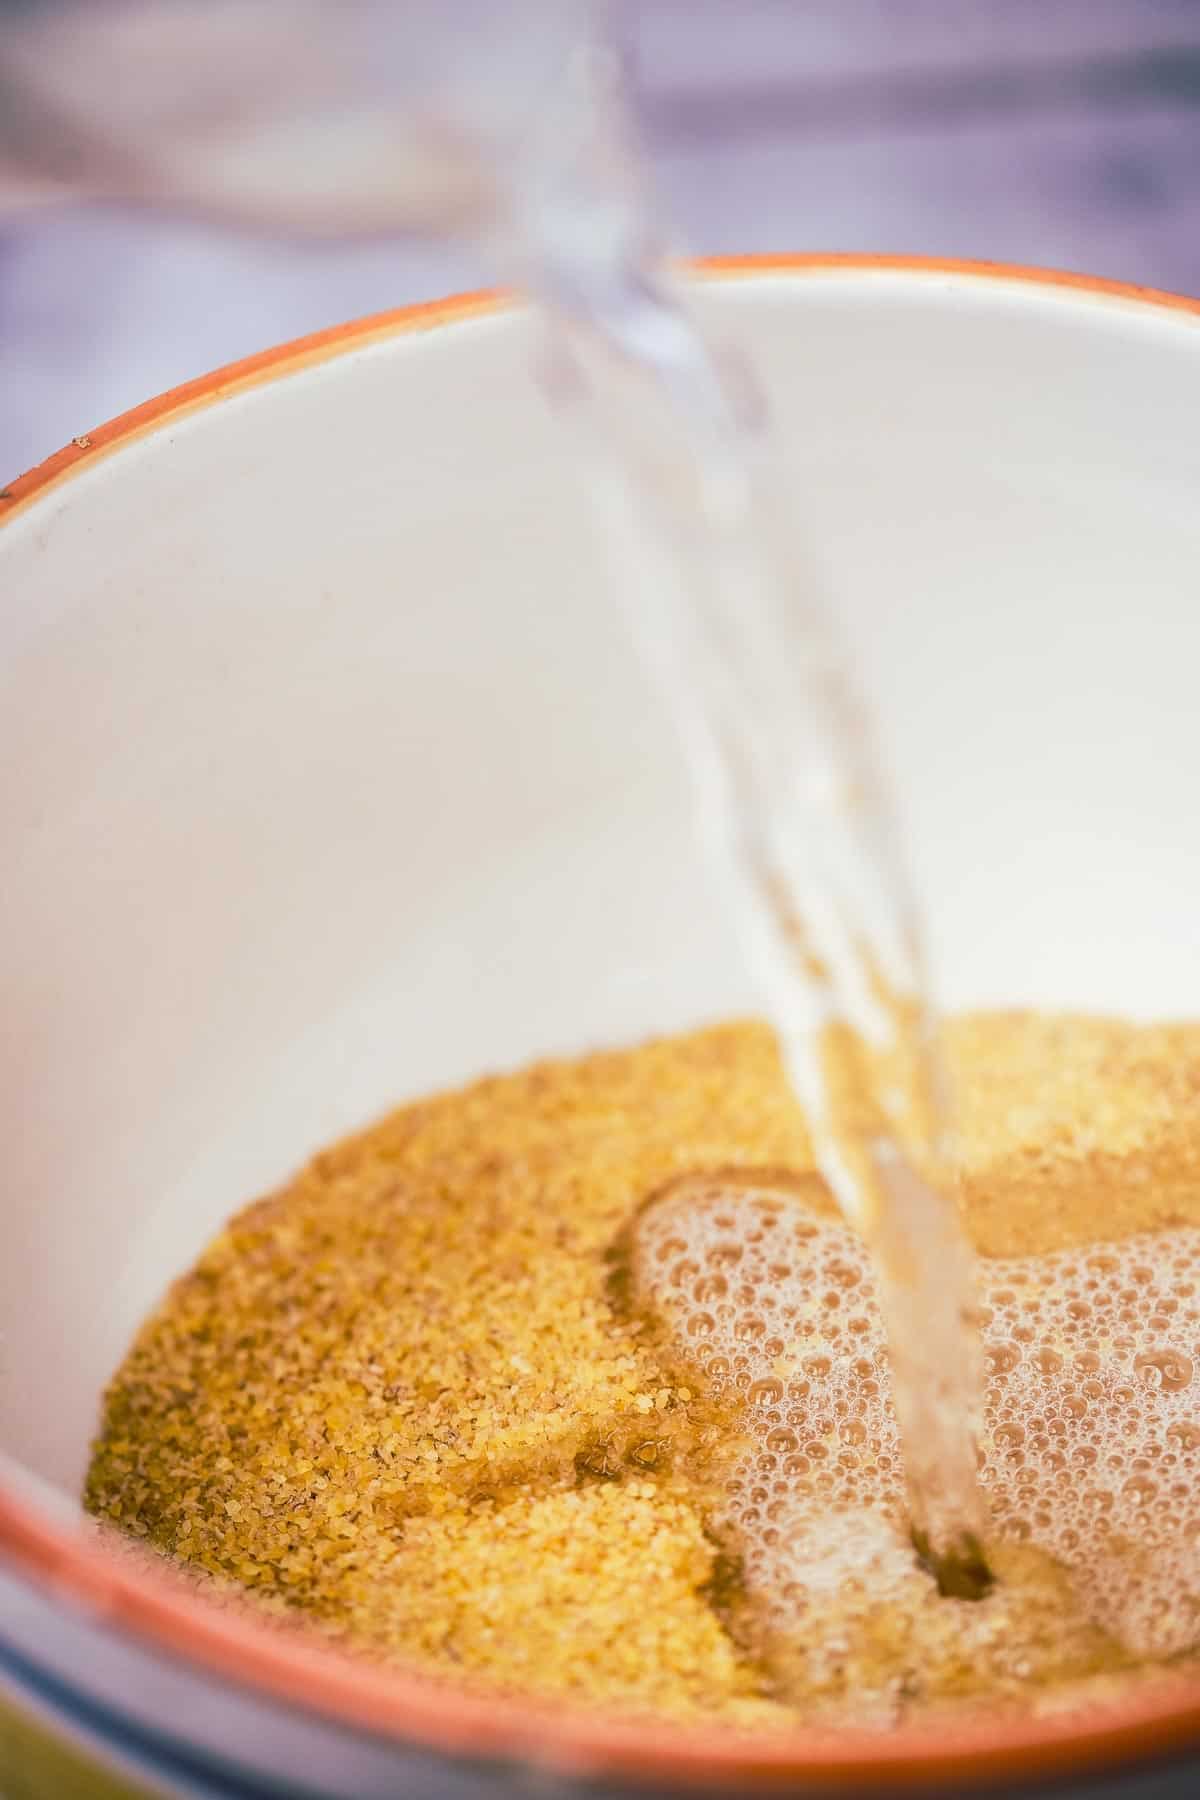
column 155, row 1606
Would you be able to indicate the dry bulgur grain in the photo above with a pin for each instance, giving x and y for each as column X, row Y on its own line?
column 378, row 1393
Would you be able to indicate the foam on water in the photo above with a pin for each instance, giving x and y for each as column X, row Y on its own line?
column 1090, row 1446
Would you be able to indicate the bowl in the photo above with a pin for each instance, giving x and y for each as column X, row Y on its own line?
column 330, row 776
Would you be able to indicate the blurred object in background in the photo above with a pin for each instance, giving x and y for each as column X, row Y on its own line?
column 1063, row 132
column 330, row 118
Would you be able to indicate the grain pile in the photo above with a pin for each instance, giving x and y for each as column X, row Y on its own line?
column 407, row 1394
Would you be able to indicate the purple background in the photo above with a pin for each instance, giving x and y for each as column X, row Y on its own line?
column 1064, row 132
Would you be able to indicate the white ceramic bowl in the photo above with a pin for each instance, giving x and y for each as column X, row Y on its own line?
column 329, row 776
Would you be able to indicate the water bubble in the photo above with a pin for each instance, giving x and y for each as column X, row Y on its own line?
column 1088, row 1436
column 1169, row 1370
column 711, row 1287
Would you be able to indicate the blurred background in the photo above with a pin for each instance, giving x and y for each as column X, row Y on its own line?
column 1060, row 132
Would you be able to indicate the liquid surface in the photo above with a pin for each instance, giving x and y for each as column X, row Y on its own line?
column 1090, row 1448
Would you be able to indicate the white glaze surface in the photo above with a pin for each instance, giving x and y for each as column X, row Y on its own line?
column 328, row 776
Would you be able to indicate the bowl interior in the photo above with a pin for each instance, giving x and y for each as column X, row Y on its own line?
column 330, row 776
